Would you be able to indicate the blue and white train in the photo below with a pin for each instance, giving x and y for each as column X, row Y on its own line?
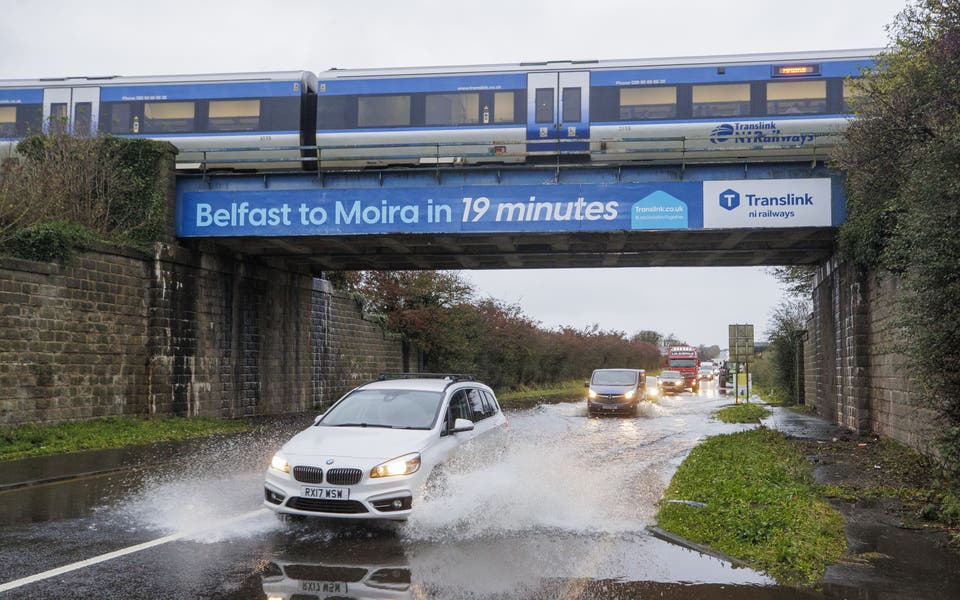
column 228, row 113
column 751, row 107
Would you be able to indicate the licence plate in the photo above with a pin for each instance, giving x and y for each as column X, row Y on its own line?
column 326, row 493
column 324, row 587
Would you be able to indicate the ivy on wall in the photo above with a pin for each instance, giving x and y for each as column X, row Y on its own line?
column 901, row 158
column 62, row 191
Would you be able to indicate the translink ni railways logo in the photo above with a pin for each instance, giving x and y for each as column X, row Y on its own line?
column 756, row 132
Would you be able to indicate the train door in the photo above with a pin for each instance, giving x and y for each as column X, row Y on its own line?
column 71, row 110
column 558, row 112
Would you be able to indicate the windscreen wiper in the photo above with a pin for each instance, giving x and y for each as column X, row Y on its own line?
column 364, row 425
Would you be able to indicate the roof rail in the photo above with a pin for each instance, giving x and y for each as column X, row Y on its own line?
column 452, row 376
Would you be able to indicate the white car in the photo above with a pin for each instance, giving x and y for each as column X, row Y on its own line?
column 372, row 451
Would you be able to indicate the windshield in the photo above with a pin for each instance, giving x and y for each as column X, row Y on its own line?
column 683, row 362
column 614, row 377
column 397, row 409
column 670, row 374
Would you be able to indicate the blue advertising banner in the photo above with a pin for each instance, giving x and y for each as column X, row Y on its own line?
column 719, row 204
column 464, row 209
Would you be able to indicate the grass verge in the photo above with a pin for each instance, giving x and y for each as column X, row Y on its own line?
column 761, row 506
column 564, row 390
column 111, row 432
column 742, row 413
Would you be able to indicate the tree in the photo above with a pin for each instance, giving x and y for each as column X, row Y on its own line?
column 797, row 279
column 650, row 337
column 786, row 329
column 708, row 352
column 901, row 158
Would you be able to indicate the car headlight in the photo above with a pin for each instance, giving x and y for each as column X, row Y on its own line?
column 403, row 465
column 279, row 462
column 592, row 395
column 629, row 394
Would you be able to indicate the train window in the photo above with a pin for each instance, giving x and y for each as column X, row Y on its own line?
column 641, row 103
column 796, row 97
column 168, row 117
column 115, row 117
column 853, row 94
column 383, row 111
column 503, row 108
column 333, row 112
column 724, row 100
column 29, row 119
column 234, row 115
column 8, row 121
column 571, row 105
column 453, row 109
column 58, row 117
column 543, row 112
column 280, row 113
column 82, row 118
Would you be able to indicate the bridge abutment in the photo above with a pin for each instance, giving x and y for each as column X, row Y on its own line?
column 187, row 332
column 853, row 373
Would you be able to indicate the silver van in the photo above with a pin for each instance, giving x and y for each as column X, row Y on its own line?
column 615, row 391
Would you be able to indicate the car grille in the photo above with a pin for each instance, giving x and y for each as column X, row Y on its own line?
column 610, row 397
column 308, row 474
column 344, row 476
column 345, row 507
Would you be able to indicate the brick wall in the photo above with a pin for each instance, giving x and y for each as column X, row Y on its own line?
column 184, row 332
column 853, row 374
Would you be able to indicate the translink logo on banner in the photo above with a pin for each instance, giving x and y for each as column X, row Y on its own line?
column 767, row 203
column 684, row 205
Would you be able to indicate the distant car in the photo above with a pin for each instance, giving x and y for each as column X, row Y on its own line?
column 705, row 373
column 613, row 391
column 372, row 451
column 670, row 382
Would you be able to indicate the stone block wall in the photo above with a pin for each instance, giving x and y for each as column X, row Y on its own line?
column 182, row 332
column 73, row 341
column 853, row 374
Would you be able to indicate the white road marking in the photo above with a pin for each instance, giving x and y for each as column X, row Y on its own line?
column 10, row 585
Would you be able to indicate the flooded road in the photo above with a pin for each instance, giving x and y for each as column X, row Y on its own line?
column 559, row 511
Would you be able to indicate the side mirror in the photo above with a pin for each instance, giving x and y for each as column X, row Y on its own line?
column 462, row 425
column 586, row 384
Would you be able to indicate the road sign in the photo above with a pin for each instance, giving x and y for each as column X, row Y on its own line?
column 741, row 343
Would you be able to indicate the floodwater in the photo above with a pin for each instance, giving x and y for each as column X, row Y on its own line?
column 560, row 510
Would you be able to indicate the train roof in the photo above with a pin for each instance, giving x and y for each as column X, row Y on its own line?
column 593, row 64
column 95, row 81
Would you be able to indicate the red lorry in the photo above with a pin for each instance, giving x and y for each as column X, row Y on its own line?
column 686, row 360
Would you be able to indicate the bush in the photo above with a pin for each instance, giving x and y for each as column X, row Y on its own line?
column 113, row 187
column 46, row 242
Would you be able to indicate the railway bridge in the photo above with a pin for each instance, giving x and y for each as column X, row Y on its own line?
column 533, row 216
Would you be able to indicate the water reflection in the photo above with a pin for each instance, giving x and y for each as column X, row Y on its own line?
column 348, row 564
column 339, row 563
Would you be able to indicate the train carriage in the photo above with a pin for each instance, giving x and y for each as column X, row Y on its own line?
column 769, row 106
column 224, row 113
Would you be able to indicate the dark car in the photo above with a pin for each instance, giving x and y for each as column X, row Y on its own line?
column 670, row 382
column 615, row 391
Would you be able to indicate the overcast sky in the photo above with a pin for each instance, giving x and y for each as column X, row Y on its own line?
column 54, row 38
